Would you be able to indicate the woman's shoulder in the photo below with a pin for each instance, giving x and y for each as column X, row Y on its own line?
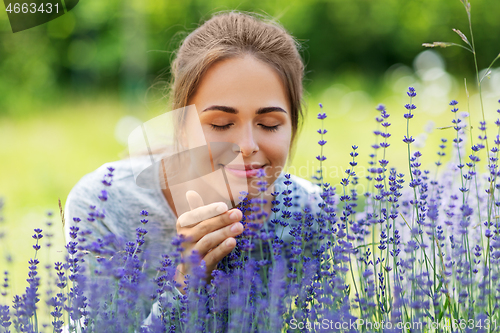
column 121, row 203
column 305, row 185
column 296, row 183
column 112, row 176
column 91, row 184
column 303, row 191
column 122, row 198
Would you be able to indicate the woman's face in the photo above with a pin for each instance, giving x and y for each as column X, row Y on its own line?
column 243, row 101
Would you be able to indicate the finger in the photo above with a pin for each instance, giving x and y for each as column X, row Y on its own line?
column 218, row 222
column 207, row 226
column 201, row 213
column 194, row 199
column 217, row 254
column 211, row 240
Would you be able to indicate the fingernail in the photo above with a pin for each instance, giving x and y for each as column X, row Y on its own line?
column 228, row 242
column 234, row 215
column 221, row 208
column 236, row 227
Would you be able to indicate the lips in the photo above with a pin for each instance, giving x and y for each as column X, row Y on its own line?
column 247, row 170
column 244, row 167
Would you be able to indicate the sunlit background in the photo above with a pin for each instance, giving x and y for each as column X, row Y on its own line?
column 72, row 90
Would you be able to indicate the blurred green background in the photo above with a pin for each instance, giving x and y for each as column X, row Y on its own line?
column 72, row 89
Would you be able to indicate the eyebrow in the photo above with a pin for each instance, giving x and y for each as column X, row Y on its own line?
column 232, row 110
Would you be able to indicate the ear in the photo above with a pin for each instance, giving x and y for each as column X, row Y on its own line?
column 181, row 132
column 191, row 133
column 182, row 137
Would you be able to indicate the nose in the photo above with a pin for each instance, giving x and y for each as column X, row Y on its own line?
column 246, row 142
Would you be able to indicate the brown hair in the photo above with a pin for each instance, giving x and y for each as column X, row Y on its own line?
column 232, row 34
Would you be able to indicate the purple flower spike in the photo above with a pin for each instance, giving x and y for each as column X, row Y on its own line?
column 321, row 142
column 453, row 102
column 320, row 105
column 408, row 140
column 411, row 92
column 321, row 115
column 261, row 173
column 103, row 196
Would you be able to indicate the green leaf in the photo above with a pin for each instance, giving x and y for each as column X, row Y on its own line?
column 443, row 309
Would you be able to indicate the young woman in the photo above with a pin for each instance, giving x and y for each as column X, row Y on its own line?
column 243, row 75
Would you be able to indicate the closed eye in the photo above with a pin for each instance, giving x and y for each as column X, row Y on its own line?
column 270, row 128
column 221, row 128
column 227, row 126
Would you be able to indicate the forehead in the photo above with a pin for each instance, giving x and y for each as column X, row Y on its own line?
column 245, row 83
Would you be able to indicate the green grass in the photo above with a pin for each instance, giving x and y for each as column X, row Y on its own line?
column 43, row 156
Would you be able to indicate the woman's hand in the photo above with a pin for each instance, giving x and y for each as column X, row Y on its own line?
column 209, row 230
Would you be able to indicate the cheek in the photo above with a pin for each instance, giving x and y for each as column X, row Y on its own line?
column 277, row 149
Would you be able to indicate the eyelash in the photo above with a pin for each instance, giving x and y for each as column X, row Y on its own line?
column 225, row 127
column 220, row 128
